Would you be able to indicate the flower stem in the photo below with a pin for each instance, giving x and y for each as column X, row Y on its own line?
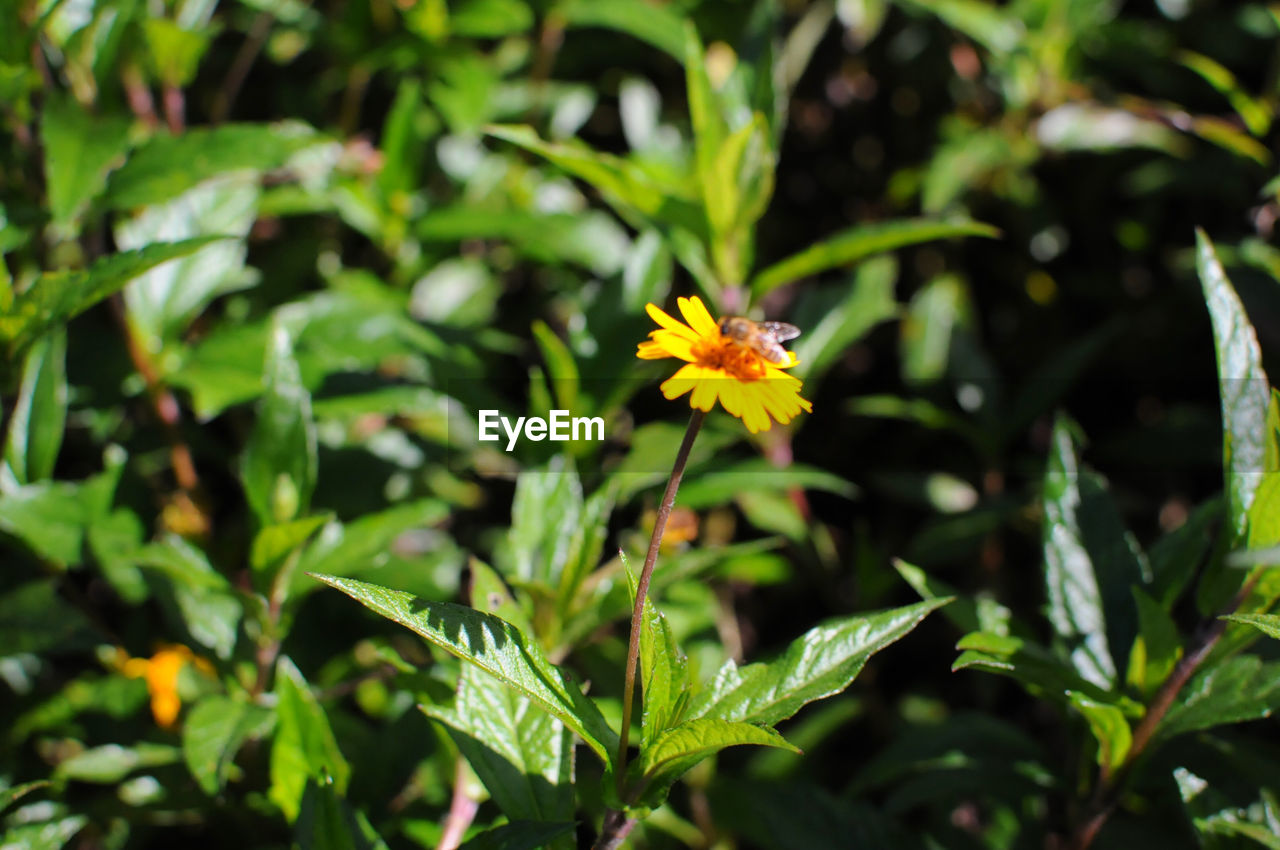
column 642, row 590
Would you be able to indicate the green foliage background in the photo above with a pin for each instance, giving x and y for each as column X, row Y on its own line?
column 264, row 262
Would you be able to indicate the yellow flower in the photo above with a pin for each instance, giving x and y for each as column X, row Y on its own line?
column 746, row 384
column 161, row 673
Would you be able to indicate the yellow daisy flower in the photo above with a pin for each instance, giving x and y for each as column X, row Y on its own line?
column 718, row 367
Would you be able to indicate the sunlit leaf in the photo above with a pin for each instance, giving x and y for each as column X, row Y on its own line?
column 495, row 646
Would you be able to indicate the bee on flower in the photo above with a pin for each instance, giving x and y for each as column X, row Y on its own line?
column 735, row 361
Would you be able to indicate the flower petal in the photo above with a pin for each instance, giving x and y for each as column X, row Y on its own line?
column 681, row 382
column 669, row 323
column 695, row 313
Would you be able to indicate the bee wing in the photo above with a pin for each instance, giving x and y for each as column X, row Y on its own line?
column 781, row 330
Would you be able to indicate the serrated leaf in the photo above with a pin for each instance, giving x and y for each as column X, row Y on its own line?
column 495, row 646
column 305, row 749
column 522, row 754
column 673, row 752
column 818, row 664
column 1235, row 690
column 1268, row 623
column 213, row 732
column 79, row 152
column 545, row 514
column 56, row 297
column 860, row 242
column 1244, row 389
column 279, row 465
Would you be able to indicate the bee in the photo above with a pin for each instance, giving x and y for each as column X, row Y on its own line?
column 761, row 337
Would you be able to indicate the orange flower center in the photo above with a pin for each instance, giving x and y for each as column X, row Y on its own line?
column 736, row 360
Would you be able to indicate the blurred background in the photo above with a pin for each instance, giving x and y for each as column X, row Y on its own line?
column 437, row 207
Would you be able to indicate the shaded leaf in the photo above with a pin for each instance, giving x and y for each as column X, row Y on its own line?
column 1109, row 727
column 660, row 26
column 673, row 752
column 34, row 618
column 1268, row 623
column 15, row 792
column 1235, row 690
column 664, row 669
column 519, row 835
column 522, row 754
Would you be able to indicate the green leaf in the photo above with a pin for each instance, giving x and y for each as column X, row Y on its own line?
column 1257, row 116
column 818, row 664
column 326, row 821
column 664, row 669
column 49, row 517
column 1235, row 690
column 833, row 318
column 522, row 754
column 46, row 835
column 9, row 795
column 275, row 542
column 562, row 369
column 495, row 646
column 1035, row 668
column 928, row 325
column 279, row 465
column 629, row 189
column 660, row 26
column 1075, row 554
column 55, row 298
column 169, row 165
column 1175, row 556
column 1109, row 727
column 490, row 18
column 717, row 487
column 995, row 28
column 163, row 301
column 858, row 243
column 1268, row 623
column 673, row 752
column 363, row 544
column 545, row 515
column 174, row 52
column 1245, row 391
column 80, row 150
column 305, row 748
column 489, row 594
column 519, row 835
column 39, row 413
column 213, row 732
column 108, row 764
column 969, row 614
column 209, row 606
column 1157, row 647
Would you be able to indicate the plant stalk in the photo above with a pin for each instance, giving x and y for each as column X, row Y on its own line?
column 642, row 591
